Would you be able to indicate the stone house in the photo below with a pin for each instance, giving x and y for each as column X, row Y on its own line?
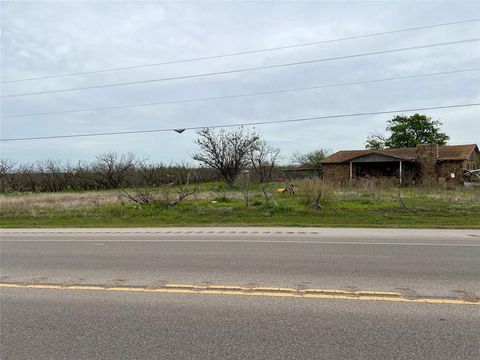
column 422, row 164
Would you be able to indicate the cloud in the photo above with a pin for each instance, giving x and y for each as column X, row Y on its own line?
column 40, row 38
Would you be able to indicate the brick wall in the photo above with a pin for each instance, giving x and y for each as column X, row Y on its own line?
column 338, row 173
column 473, row 162
column 427, row 155
column 446, row 168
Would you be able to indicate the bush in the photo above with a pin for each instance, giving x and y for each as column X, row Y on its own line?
column 315, row 192
column 257, row 203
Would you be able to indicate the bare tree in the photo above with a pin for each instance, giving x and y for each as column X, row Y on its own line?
column 53, row 175
column 141, row 193
column 226, row 151
column 244, row 180
column 107, row 172
column 263, row 159
column 376, row 141
column 22, row 178
column 83, row 176
column 6, row 167
column 7, row 170
column 150, row 174
column 267, row 195
column 170, row 194
column 181, row 188
column 311, row 159
column 113, row 169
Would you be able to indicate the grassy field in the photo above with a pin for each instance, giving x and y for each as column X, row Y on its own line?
column 215, row 205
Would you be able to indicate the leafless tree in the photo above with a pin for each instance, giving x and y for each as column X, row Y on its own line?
column 53, row 175
column 113, row 169
column 226, row 151
column 181, row 188
column 168, row 194
column 142, row 184
column 6, row 167
column 267, row 195
column 7, row 170
column 22, row 178
column 83, row 177
column 244, row 181
column 376, row 141
column 150, row 174
column 311, row 159
column 263, row 159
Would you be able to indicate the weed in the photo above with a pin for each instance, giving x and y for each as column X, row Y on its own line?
column 224, row 199
column 348, row 206
column 315, row 192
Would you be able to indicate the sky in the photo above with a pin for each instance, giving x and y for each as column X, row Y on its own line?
column 41, row 38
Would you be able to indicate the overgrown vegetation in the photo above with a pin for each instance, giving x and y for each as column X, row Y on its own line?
column 314, row 204
column 315, row 192
column 224, row 153
column 108, row 171
column 123, row 190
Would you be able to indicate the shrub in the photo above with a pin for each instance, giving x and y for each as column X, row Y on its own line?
column 315, row 192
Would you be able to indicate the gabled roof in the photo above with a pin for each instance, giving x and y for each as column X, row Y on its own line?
column 457, row 152
column 448, row 152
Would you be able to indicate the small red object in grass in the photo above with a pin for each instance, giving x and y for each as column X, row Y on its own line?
column 279, row 180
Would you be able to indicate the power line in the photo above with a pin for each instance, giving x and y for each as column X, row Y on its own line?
column 239, row 124
column 244, row 69
column 111, row 107
column 242, row 52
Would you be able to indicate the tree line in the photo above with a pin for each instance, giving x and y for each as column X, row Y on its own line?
column 112, row 170
column 222, row 155
column 108, row 171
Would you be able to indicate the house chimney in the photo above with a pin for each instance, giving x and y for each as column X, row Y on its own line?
column 427, row 156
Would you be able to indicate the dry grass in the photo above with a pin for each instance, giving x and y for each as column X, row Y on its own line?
column 340, row 206
column 307, row 189
column 59, row 201
column 81, row 200
column 315, row 192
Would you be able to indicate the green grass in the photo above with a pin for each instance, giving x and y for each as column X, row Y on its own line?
column 349, row 208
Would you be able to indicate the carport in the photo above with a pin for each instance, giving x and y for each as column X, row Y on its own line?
column 378, row 165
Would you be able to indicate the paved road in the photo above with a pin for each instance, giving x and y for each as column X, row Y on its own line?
column 60, row 324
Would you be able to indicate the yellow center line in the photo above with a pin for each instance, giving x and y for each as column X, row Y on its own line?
column 282, row 289
column 365, row 295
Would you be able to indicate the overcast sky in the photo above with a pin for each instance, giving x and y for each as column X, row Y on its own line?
column 43, row 38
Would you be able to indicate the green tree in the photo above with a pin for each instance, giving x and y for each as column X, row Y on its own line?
column 409, row 131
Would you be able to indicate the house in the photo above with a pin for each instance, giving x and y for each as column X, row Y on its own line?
column 422, row 164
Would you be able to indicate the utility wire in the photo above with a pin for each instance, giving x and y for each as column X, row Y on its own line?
column 243, row 52
column 244, row 69
column 181, row 101
column 238, row 124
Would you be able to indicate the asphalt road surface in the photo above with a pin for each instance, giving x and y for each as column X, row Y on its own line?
column 240, row 293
